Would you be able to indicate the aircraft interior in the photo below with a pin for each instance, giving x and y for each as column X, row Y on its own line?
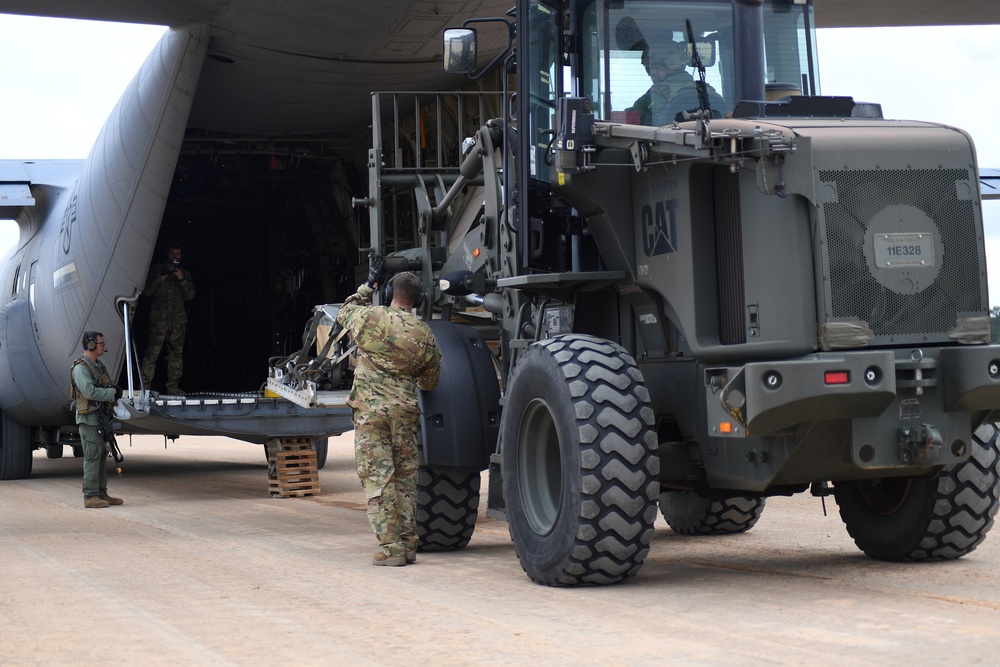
column 268, row 233
column 269, row 230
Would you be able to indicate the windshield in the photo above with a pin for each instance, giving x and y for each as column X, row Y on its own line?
column 636, row 63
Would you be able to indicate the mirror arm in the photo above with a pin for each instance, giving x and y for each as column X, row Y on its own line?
column 500, row 56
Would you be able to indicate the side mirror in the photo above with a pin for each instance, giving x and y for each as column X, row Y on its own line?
column 459, row 51
column 706, row 51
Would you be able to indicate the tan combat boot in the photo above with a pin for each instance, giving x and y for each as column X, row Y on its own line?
column 95, row 502
column 111, row 500
column 385, row 559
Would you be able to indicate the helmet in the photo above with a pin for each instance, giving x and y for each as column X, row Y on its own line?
column 670, row 54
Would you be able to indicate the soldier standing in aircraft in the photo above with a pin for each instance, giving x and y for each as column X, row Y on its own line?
column 397, row 354
column 92, row 388
column 169, row 287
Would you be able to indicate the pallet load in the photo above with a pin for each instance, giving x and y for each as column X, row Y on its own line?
column 291, row 468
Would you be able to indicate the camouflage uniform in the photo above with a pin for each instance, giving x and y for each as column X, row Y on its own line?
column 397, row 354
column 90, row 381
column 167, row 323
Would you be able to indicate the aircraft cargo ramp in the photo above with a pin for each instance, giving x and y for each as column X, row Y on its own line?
column 250, row 417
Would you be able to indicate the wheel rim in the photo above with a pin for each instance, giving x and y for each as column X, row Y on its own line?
column 539, row 467
column 886, row 496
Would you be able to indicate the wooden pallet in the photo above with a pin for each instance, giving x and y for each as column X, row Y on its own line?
column 291, row 469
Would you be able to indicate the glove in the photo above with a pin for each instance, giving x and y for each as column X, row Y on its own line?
column 375, row 261
column 118, row 392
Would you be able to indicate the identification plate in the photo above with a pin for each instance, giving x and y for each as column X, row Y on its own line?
column 903, row 251
column 910, row 408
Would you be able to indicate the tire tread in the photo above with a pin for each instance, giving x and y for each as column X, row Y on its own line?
column 447, row 508
column 616, row 442
column 960, row 506
column 689, row 514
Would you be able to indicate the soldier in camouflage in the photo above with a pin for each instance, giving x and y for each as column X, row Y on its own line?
column 92, row 389
column 169, row 288
column 397, row 354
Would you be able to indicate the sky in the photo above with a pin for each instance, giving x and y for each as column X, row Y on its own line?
column 61, row 79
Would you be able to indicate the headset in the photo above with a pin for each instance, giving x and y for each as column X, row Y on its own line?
column 419, row 301
column 90, row 340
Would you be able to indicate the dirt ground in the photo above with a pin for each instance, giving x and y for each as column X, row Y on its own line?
column 201, row 566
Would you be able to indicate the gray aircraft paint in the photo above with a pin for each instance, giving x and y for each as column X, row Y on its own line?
column 100, row 238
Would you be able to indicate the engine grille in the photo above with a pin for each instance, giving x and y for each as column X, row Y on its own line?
column 729, row 257
column 858, row 287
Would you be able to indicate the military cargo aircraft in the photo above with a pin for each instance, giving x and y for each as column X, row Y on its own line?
column 245, row 134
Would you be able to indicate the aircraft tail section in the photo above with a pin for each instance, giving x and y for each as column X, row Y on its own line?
column 96, row 244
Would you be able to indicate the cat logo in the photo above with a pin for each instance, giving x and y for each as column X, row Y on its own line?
column 659, row 227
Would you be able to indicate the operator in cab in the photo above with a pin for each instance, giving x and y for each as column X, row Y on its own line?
column 673, row 90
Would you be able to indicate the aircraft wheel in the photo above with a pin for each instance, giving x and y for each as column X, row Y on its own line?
column 54, row 451
column 688, row 513
column 15, row 449
column 447, row 508
column 322, row 447
column 926, row 518
column 579, row 463
column 78, row 451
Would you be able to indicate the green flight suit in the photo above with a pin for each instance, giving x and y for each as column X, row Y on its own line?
column 90, row 378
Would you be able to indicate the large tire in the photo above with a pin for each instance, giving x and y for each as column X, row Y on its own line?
column 690, row 514
column 579, row 463
column 926, row 518
column 54, row 451
column 15, row 449
column 447, row 508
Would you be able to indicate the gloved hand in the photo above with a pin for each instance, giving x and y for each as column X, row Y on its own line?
column 118, row 392
column 375, row 261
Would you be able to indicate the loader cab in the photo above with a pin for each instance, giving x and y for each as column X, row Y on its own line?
column 542, row 237
column 612, row 52
column 606, row 52
column 619, row 38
